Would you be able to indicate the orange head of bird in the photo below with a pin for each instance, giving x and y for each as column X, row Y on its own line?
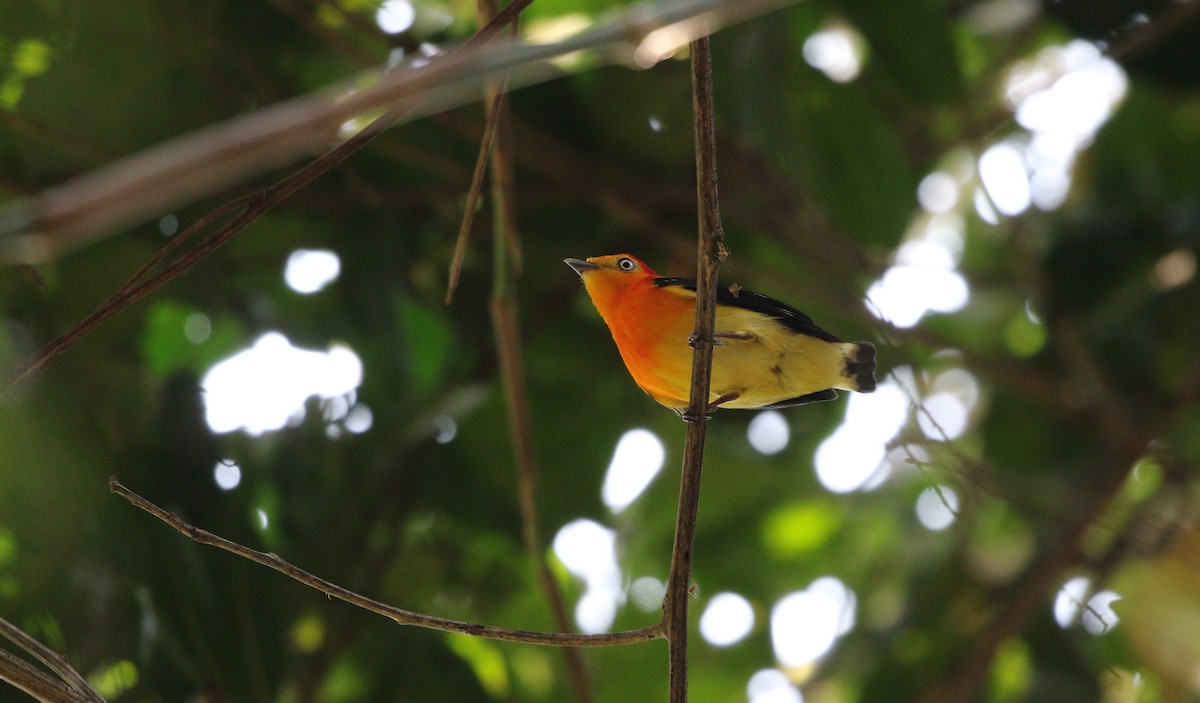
column 607, row 277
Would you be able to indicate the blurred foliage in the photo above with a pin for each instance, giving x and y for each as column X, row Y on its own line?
column 1079, row 457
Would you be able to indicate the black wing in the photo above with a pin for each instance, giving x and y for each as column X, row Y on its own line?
column 818, row 397
column 792, row 318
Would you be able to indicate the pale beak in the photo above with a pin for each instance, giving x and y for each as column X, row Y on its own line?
column 580, row 265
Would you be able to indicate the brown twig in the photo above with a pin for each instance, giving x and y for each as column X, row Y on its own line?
column 184, row 169
column 28, row 678
column 52, row 659
column 255, row 204
column 710, row 252
column 481, row 162
column 397, row 615
column 66, row 216
column 507, row 331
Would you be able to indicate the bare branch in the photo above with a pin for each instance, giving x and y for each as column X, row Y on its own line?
column 397, row 615
column 251, row 207
column 184, row 169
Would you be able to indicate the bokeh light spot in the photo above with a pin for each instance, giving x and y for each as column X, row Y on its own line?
column 227, row 474
column 588, row 551
column 835, row 51
column 938, row 192
column 647, row 593
column 1099, row 617
column 772, row 686
column 310, row 270
column 768, row 432
column 197, row 328
column 848, row 458
column 937, row 508
column 359, row 419
column 263, row 388
column 727, row 619
column 804, row 626
column 395, row 16
column 1175, row 269
column 944, row 416
column 1069, row 600
column 638, row 458
column 1002, row 171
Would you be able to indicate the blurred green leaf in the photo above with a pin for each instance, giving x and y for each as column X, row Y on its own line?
column 486, row 661
column 115, row 679
column 793, row 530
column 180, row 337
column 428, row 339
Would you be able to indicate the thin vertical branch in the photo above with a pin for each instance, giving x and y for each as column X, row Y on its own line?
column 507, row 330
column 710, row 251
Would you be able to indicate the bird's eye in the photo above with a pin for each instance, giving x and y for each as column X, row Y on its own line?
column 626, row 264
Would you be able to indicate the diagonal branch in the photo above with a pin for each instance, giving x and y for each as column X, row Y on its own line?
column 248, row 208
column 184, row 169
column 473, row 193
column 52, row 659
column 397, row 615
column 32, row 680
column 710, row 252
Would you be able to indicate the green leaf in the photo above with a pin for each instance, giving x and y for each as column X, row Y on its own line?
column 177, row 336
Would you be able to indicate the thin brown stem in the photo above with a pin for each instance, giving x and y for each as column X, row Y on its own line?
column 208, row 160
column 52, row 659
column 32, row 680
column 397, row 615
column 255, row 204
column 472, row 204
column 710, row 252
column 507, row 331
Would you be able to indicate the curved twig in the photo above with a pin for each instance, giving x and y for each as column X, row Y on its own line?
column 397, row 615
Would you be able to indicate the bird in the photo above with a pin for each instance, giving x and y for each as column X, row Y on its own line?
column 766, row 354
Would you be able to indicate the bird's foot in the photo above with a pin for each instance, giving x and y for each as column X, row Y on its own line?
column 719, row 337
column 739, row 336
column 708, row 412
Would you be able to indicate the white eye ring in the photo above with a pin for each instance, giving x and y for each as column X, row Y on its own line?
column 626, row 264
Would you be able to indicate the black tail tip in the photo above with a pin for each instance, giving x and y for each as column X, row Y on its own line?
column 860, row 366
